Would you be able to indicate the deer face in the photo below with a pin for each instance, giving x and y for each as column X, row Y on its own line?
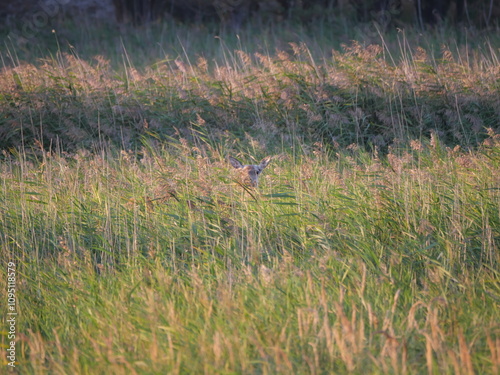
column 250, row 173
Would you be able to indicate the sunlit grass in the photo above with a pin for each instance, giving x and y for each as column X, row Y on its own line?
column 372, row 95
column 370, row 246
column 340, row 263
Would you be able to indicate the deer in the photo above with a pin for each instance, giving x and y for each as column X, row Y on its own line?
column 249, row 172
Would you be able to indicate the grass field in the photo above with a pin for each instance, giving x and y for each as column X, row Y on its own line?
column 370, row 247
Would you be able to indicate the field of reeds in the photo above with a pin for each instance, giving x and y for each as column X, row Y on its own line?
column 370, row 246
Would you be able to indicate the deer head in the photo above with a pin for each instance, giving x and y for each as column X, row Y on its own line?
column 250, row 173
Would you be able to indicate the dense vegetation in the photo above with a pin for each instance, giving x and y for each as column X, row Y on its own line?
column 371, row 94
column 370, row 246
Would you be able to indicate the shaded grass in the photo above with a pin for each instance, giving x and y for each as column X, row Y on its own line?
column 391, row 91
column 347, row 263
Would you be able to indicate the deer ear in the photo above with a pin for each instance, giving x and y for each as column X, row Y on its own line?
column 264, row 162
column 235, row 162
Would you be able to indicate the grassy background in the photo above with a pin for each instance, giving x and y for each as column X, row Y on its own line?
column 94, row 86
column 371, row 245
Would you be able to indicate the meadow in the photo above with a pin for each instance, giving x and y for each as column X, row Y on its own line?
column 370, row 246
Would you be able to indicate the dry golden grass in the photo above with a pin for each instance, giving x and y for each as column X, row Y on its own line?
column 362, row 95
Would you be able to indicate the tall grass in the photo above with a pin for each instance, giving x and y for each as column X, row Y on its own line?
column 371, row 245
column 345, row 263
column 396, row 89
